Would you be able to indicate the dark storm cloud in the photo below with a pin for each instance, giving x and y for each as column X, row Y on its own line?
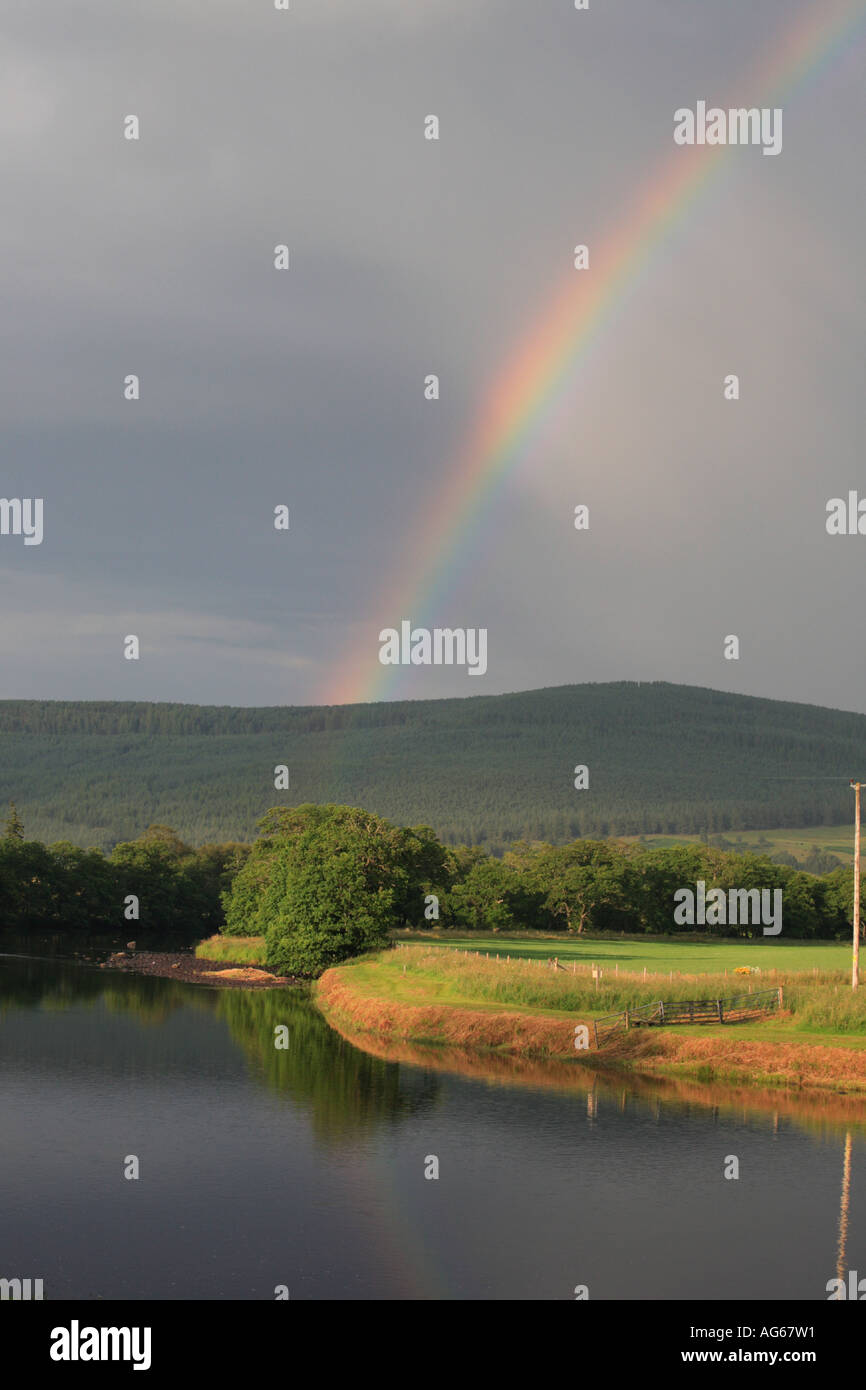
column 409, row 257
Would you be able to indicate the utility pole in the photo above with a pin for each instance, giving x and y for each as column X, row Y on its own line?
column 855, row 964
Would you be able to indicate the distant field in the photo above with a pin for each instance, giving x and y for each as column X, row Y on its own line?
column 829, row 839
column 657, row 957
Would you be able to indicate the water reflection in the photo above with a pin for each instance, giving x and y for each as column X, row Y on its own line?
column 817, row 1111
column 305, row 1165
column 844, row 1209
column 354, row 1080
column 346, row 1090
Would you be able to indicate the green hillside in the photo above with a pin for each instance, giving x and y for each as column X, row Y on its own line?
column 663, row 760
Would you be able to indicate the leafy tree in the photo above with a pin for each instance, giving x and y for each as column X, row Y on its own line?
column 243, row 898
column 166, row 840
column 658, row 873
column 492, row 895
column 29, row 886
column 424, row 865
column 336, row 891
column 839, row 899
column 579, row 881
column 84, row 896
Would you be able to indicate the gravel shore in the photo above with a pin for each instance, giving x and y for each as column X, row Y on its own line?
column 183, row 965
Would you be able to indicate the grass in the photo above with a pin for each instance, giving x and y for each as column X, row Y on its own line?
column 822, row 1003
column 814, row 976
column 617, row 957
column 239, row 950
column 657, row 955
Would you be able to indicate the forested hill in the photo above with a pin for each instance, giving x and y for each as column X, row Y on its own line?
column 485, row 769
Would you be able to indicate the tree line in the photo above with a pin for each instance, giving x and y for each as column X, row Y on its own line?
column 326, row 882
column 322, row 883
column 154, row 884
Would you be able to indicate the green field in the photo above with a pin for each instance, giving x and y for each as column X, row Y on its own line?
column 828, row 839
column 631, row 955
column 656, row 957
column 821, row 1004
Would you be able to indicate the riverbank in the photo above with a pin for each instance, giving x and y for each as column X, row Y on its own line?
column 195, row 970
column 511, row 1008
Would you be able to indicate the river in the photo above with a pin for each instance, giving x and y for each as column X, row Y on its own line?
column 303, row 1169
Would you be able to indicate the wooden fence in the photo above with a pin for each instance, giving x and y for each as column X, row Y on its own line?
column 662, row 1013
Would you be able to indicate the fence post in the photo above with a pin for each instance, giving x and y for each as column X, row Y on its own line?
column 662, row 1007
column 626, row 1021
column 721, row 1012
column 780, row 996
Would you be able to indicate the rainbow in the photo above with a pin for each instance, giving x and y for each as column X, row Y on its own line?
column 530, row 390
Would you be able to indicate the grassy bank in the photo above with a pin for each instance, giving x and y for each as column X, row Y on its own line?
column 526, row 1008
column 240, row 950
column 819, row 1001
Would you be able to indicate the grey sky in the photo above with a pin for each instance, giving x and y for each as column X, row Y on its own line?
column 409, row 257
